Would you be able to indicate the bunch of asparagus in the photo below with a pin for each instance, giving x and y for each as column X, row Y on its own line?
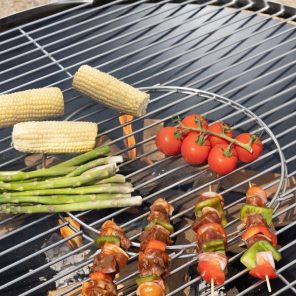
column 85, row 182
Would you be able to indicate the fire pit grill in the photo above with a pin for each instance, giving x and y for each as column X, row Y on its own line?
column 205, row 47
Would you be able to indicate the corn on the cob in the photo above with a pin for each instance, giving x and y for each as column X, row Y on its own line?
column 109, row 91
column 54, row 136
column 33, row 104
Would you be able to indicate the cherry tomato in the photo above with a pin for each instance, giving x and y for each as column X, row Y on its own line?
column 256, row 144
column 194, row 149
column 222, row 160
column 150, row 289
column 167, row 142
column 221, row 128
column 260, row 271
column 211, row 270
column 191, row 121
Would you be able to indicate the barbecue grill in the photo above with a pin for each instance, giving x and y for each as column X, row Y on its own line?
column 229, row 60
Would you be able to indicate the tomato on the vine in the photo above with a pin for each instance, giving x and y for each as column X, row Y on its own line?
column 221, row 128
column 195, row 149
column 222, row 159
column 256, row 145
column 195, row 121
column 167, row 140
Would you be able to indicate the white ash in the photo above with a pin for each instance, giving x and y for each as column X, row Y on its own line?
column 68, row 263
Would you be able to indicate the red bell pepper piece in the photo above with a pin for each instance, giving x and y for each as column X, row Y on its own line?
column 263, row 270
column 251, row 231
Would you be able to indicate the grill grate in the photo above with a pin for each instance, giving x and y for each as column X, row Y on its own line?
column 246, row 56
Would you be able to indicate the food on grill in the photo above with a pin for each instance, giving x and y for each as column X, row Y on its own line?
column 153, row 259
column 108, row 262
column 256, row 145
column 195, row 149
column 200, row 143
column 222, row 159
column 211, row 237
column 219, row 127
column 33, row 104
column 260, row 240
column 167, row 142
column 54, row 136
column 110, row 91
column 77, row 184
column 194, row 121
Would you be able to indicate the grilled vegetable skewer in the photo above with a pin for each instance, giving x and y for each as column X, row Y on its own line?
column 260, row 240
column 108, row 262
column 153, row 259
column 211, row 237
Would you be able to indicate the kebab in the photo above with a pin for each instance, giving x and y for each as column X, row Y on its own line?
column 261, row 242
column 153, row 259
column 112, row 258
column 211, row 237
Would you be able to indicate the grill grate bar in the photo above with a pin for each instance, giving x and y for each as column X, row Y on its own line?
column 108, row 31
column 284, row 288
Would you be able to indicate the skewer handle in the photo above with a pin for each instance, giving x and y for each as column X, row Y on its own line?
column 268, row 283
column 212, row 287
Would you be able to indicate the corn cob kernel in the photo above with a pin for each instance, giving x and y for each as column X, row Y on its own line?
column 33, row 104
column 109, row 91
column 54, row 136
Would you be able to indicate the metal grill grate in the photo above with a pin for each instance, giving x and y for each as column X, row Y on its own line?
column 246, row 56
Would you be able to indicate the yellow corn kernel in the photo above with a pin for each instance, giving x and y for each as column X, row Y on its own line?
column 54, row 136
column 33, row 104
column 111, row 92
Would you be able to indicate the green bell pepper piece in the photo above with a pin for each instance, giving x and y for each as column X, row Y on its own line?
column 164, row 224
column 215, row 245
column 107, row 239
column 147, row 278
column 215, row 203
column 249, row 257
column 250, row 209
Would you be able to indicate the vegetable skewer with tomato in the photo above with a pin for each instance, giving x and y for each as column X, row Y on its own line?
column 261, row 242
column 108, row 262
column 153, row 259
column 211, row 237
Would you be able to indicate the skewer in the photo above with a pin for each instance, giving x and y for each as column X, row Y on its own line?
column 250, row 184
column 268, row 283
column 212, row 287
column 43, row 161
column 210, row 188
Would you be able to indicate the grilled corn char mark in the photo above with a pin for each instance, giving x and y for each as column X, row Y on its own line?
column 28, row 105
column 110, row 91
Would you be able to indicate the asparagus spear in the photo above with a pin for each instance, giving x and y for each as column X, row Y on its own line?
column 97, row 162
column 21, row 176
column 60, row 199
column 114, row 179
column 101, row 188
column 81, row 206
column 62, row 182
column 85, row 157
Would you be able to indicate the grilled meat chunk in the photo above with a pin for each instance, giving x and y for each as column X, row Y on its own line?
column 153, row 262
column 111, row 228
column 255, row 238
column 156, row 232
column 209, row 217
column 105, row 263
column 255, row 220
column 158, row 215
column 162, row 205
column 99, row 288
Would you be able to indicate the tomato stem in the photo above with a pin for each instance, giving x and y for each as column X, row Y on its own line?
column 246, row 146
